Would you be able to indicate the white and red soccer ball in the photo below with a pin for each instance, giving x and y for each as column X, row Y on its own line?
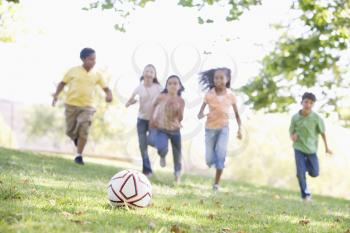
column 131, row 188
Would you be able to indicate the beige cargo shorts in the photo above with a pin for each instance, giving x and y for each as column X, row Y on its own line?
column 78, row 121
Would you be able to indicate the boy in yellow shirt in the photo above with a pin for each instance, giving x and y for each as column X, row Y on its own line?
column 79, row 105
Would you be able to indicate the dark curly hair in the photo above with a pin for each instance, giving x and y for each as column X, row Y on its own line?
column 206, row 78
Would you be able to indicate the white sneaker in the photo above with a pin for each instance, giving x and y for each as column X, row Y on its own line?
column 307, row 199
column 215, row 187
column 162, row 162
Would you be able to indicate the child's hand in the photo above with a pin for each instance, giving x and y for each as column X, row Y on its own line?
column 152, row 124
column 239, row 134
column 134, row 101
column 294, row 137
column 200, row 115
column 328, row 151
column 54, row 101
column 109, row 97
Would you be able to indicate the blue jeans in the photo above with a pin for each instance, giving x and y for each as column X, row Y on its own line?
column 142, row 129
column 216, row 141
column 162, row 146
column 305, row 163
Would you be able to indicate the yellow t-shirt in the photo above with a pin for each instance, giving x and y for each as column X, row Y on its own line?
column 82, row 86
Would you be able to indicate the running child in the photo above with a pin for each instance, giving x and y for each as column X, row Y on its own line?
column 304, row 129
column 148, row 90
column 169, row 107
column 79, row 105
column 220, row 100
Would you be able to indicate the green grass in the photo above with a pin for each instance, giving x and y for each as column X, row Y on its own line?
column 40, row 193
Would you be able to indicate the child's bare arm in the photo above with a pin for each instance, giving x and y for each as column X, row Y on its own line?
column 201, row 111
column 152, row 123
column 131, row 100
column 59, row 89
column 328, row 151
column 109, row 96
column 182, row 108
column 238, row 119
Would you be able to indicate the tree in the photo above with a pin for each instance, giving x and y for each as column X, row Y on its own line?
column 315, row 57
column 8, row 15
column 124, row 7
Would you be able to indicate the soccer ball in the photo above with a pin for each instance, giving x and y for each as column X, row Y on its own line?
column 131, row 188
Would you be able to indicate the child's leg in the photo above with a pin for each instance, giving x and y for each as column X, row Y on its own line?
column 162, row 143
column 151, row 137
column 210, row 141
column 300, row 161
column 71, row 115
column 84, row 120
column 218, row 176
column 175, row 140
column 312, row 165
column 81, row 143
column 221, row 152
column 142, row 127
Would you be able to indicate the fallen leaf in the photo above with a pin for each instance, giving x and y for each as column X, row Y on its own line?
column 211, row 216
column 218, row 204
column 225, row 229
column 277, row 197
column 66, row 214
column 80, row 222
column 167, row 208
column 176, row 229
column 304, row 222
column 25, row 181
column 52, row 202
column 348, row 231
column 79, row 212
column 33, row 191
column 152, row 225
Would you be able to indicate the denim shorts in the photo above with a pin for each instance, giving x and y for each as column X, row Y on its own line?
column 216, row 141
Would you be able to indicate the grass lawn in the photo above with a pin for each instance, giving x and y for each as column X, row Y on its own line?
column 40, row 193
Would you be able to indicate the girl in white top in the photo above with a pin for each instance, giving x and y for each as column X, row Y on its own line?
column 148, row 90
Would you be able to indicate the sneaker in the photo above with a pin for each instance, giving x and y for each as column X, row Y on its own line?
column 162, row 162
column 215, row 187
column 307, row 199
column 149, row 175
column 79, row 160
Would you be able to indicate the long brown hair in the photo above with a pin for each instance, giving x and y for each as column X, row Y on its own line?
column 155, row 80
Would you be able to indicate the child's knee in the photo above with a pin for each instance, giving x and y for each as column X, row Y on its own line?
column 84, row 129
column 163, row 151
column 314, row 174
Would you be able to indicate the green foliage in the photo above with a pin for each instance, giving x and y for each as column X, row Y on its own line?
column 56, row 195
column 7, row 138
column 124, row 7
column 301, row 60
column 8, row 19
column 44, row 121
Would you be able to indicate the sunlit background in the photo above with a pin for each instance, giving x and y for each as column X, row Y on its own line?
column 50, row 35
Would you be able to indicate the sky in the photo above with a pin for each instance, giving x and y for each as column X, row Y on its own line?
column 162, row 33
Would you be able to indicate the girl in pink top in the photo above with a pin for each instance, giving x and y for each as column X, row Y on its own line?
column 219, row 99
column 148, row 90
